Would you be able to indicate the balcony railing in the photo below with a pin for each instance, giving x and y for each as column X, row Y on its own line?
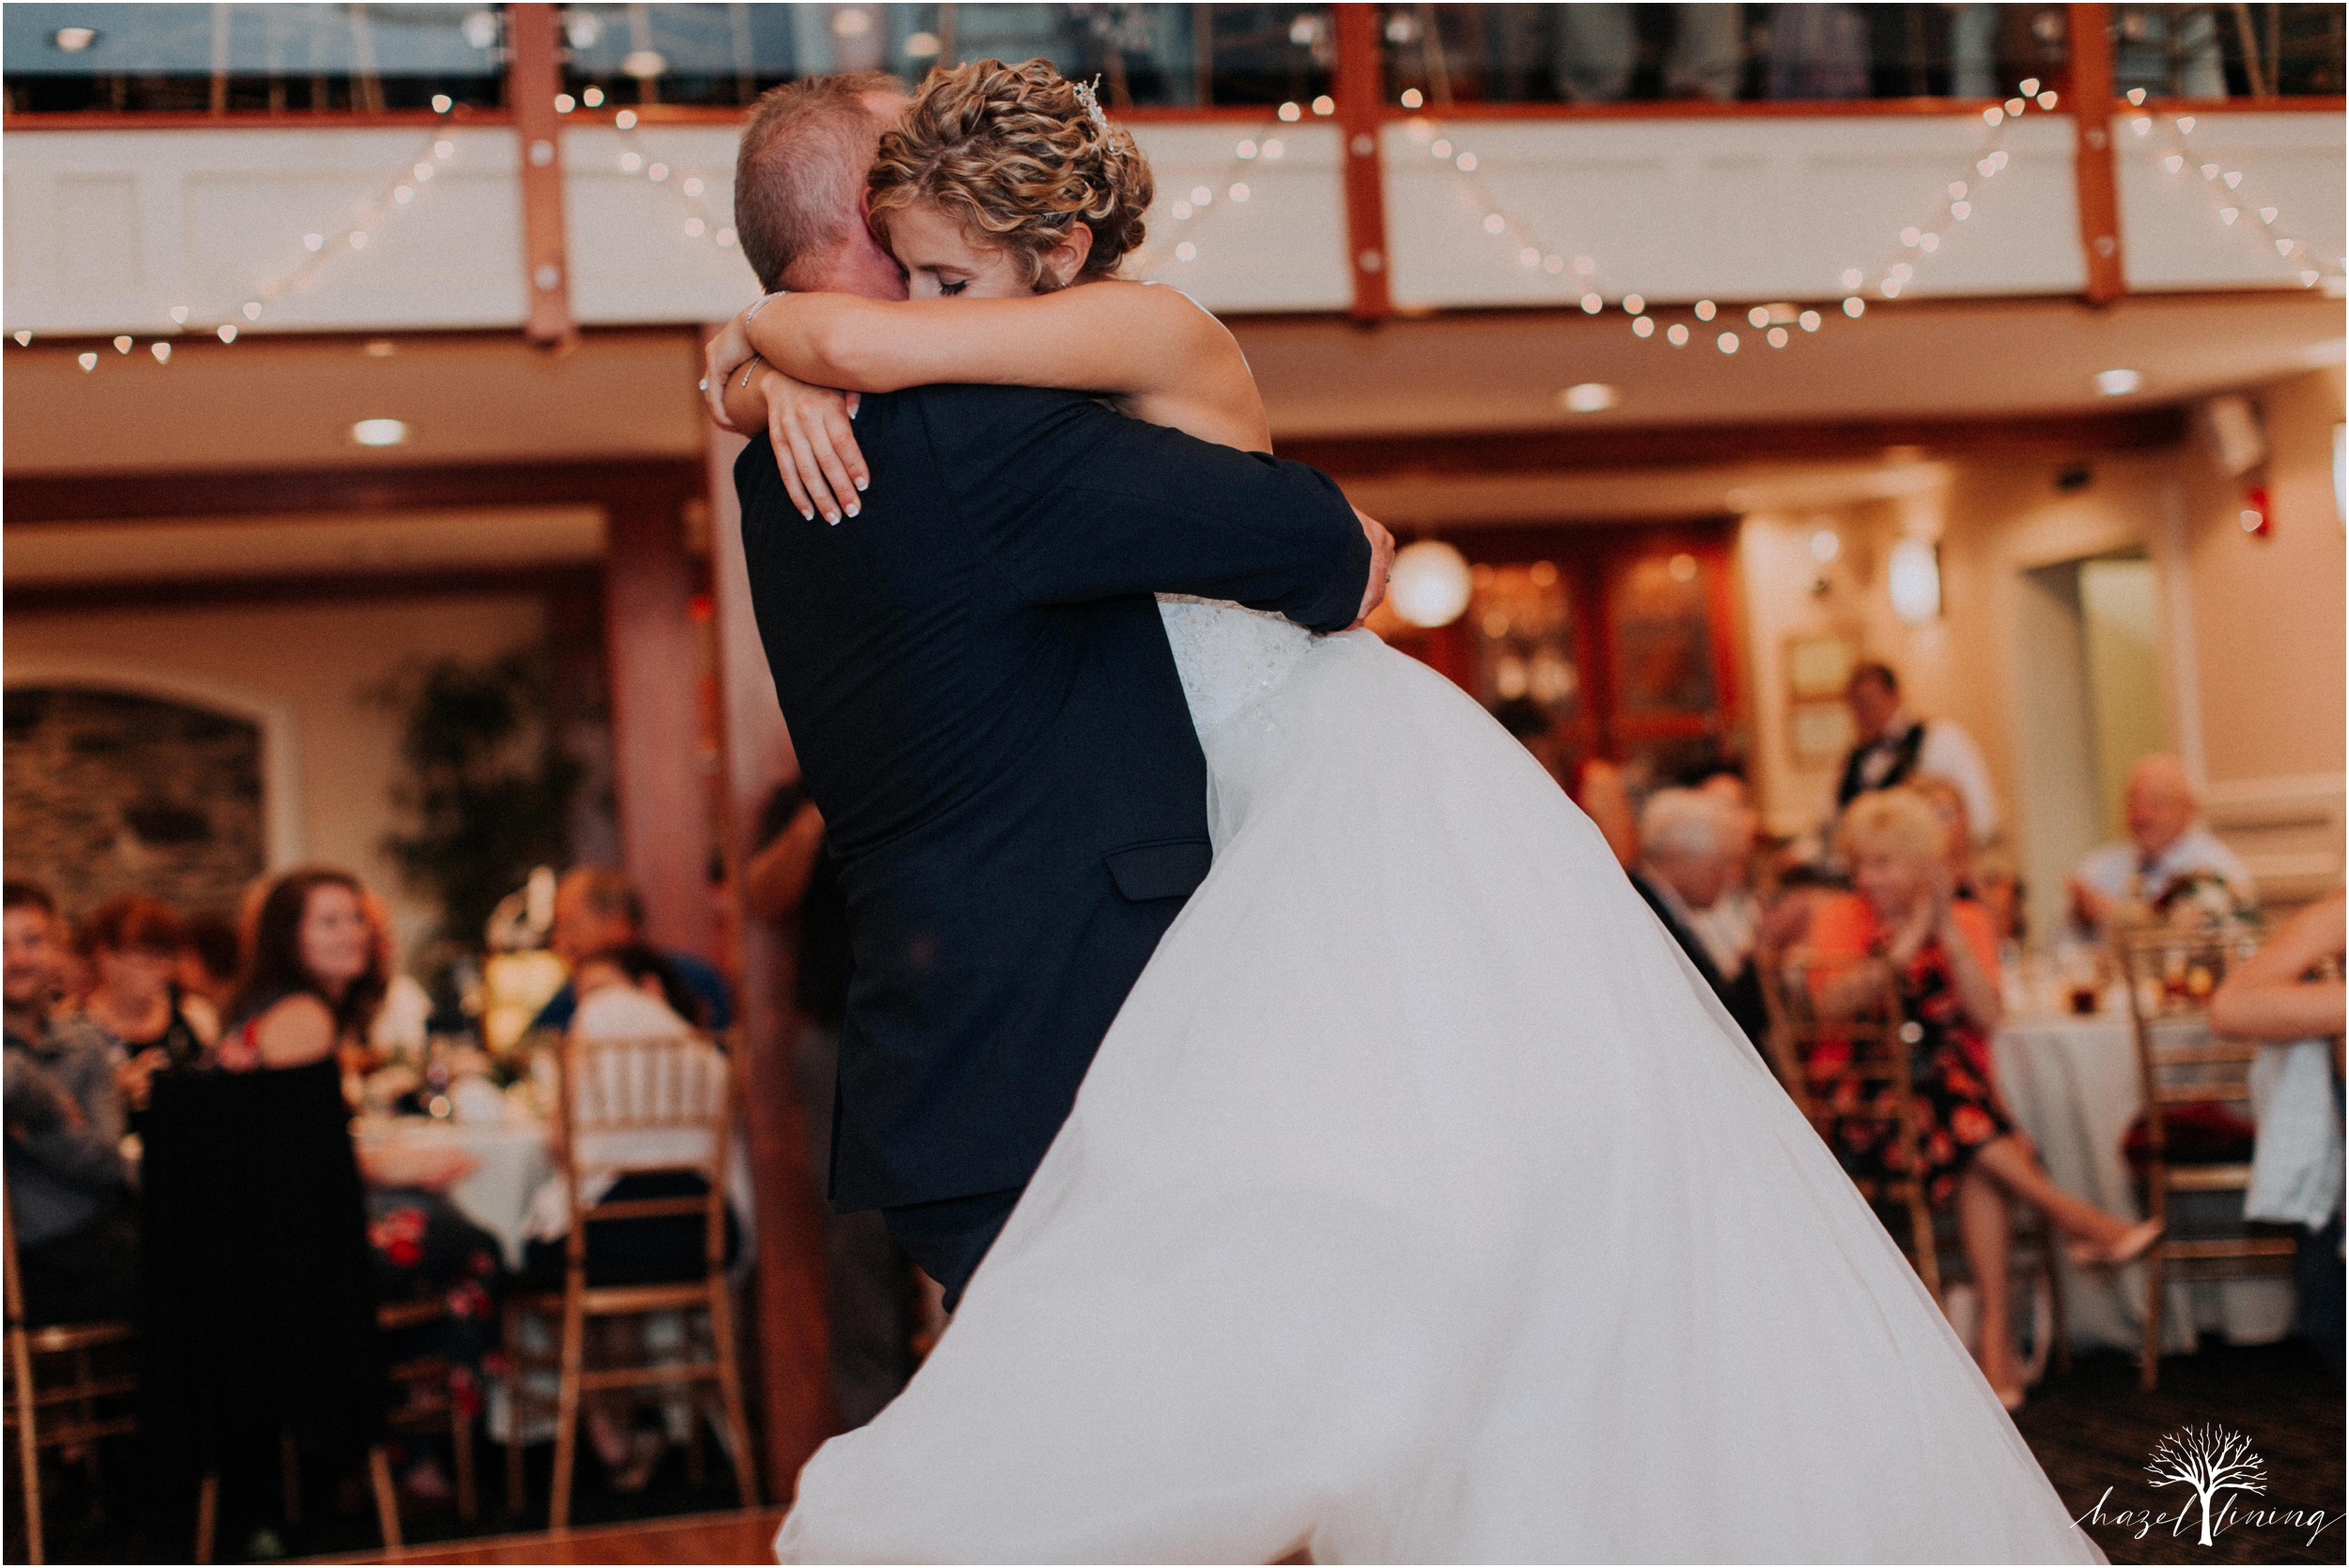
column 347, row 60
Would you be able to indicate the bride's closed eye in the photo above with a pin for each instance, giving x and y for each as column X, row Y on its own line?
column 949, row 288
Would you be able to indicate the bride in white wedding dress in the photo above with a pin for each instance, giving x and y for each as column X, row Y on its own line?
column 1422, row 1204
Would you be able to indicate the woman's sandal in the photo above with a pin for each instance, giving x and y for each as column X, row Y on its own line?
column 2133, row 1245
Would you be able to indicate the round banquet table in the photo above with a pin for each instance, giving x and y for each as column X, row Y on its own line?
column 2072, row 1083
column 515, row 1162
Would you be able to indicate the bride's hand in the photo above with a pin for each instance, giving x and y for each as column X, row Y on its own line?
column 815, row 445
column 722, row 356
column 1381, row 564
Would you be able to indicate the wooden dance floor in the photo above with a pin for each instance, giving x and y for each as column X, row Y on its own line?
column 746, row 1535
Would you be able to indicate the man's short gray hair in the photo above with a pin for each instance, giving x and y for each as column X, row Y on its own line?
column 1685, row 822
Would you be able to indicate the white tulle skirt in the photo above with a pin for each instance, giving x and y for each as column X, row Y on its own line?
column 1422, row 1205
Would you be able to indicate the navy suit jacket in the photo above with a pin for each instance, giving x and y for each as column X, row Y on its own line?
column 986, row 711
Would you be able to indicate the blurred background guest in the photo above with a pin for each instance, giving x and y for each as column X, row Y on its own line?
column 210, row 961
column 595, row 910
column 76, row 1228
column 1732, row 928
column 2290, row 992
column 869, row 1302
column 132, row 947
column 1893, row 747
column 2168, row 851
column 315, row 983
column 1599, row 51
column 1690, row 855
column 1943, row 955
column 1995, row 889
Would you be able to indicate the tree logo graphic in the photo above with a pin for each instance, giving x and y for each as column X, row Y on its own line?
column 2210, row 1460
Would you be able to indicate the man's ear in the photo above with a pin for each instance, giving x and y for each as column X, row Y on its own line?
column 1066, row 261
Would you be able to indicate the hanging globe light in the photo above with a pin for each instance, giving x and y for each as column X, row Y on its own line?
column 1431, row 584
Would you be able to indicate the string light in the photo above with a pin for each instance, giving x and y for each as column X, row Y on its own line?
column 316, row 250
column 2230, row 202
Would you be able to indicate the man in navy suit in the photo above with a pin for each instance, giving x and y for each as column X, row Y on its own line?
column 984, row 708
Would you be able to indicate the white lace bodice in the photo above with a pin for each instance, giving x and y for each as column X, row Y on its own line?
column 1229, row 657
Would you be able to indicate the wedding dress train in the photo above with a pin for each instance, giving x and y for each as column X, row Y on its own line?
column 1422, row 1205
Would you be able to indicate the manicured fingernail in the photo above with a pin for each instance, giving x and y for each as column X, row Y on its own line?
column 862, row 482
column 805, row 513
column 831, row 516
column 852, row 509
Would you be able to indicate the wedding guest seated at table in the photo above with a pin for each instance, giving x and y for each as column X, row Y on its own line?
column 132, row 947
column 1942, row 954
column 2289, row 992
column 210, row 962
column 627, row 992
column 76, row 1227
column 314, row 983
column 1995, row 889
column 1689, row 857
column 597, row 910
column 1732, row 928
column 2169, row 854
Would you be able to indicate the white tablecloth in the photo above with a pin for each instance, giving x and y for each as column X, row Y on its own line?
column 515, row 1162
column 2073, row 1084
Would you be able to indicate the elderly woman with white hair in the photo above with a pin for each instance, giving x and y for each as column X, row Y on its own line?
column 1691, row 852
column 1942, row 951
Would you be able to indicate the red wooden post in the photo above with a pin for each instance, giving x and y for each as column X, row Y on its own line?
column 534, row 76
column 2091, row 31
column 651, row 649
column 1361, row 91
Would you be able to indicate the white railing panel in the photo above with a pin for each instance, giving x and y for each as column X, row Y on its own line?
column 1284, row 248
column 635, row 256
column 108, row 230
column 1734, row 209
column 2172, row 231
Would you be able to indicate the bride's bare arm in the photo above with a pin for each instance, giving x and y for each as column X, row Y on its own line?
column 1172, row 363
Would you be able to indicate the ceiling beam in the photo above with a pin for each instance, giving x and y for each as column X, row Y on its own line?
column 1577, row 450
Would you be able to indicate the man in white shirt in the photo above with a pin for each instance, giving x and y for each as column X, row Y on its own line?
column 1895, row 747
column 2166, row 844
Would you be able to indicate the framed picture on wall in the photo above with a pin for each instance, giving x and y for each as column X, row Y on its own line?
column 1819, row 665
column 1819, row 732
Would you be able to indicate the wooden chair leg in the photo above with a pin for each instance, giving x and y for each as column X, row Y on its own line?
column 567, row 1413
column 386, row 1495
column 461, row 1448
column 2151, row 1375
column 697, row 1443
column 290, row 1477
column 512, row 1376
column 27, row 1438
column 206, row 1515
column 730, row 1390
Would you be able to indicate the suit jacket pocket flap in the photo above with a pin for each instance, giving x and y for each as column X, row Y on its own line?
column 1169, row 869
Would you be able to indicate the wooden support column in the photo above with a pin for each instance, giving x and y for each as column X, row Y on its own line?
column 534, row 76
column 1361, row 91
column 651, row 649
column 2092, row 103
column 789, row 1315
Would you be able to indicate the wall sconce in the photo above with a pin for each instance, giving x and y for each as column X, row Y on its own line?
column 1913, row 574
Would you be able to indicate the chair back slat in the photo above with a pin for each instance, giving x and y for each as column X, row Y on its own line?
column 640, row 1106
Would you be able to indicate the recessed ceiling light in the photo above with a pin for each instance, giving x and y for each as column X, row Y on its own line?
column 379, row 433
column 1590, row 398
column 380, row 347
column 2117, row 383
column 73, row 39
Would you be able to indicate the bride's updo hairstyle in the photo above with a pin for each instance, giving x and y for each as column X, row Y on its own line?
column 1017, row 154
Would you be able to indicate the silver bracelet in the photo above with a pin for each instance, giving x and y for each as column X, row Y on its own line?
column 762, row 302
column 750, row 369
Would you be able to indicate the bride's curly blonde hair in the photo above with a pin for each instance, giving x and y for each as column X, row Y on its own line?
column 1017, row 154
